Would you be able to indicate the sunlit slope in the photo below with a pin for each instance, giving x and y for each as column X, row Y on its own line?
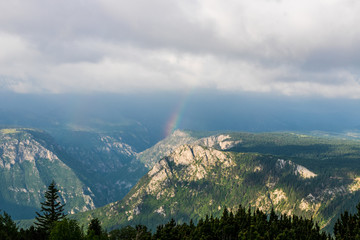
column 163, row 148
column 334, row 154
column 273, row 170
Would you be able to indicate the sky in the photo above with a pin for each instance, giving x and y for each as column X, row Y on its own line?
column 290, row 48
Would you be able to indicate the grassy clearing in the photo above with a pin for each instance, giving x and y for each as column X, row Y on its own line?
column 9, row 130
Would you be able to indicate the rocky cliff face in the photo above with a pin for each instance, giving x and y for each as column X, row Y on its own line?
column 190, row 175
column 221, row 142
column 163, row 148
column 195, row 180
column 27, row 167
column 186, row 164
column 103, row 153
column 91, row 168
column 103, row 161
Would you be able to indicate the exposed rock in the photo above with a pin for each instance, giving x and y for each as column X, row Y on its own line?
column 158, row 177
column 165, row 147
column 198, row 178
column 112, row 144
column 298, row 169
column 26, row 159
column 304, row 172
column 258, row 168
column 161, row 211
column 222, row 141
column 277, row 196
column 355, row 186
column 309, row 206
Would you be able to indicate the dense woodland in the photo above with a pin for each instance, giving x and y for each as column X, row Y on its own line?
column 243, row 224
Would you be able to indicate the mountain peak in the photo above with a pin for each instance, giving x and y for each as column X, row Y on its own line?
column 179, row 133
column 222, row 141
column 199, row 156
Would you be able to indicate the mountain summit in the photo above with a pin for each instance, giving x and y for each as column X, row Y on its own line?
column 203, row 177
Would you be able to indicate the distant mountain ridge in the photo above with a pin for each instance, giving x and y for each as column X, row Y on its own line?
column 185, row 176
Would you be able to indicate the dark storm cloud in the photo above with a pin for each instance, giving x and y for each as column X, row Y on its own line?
column 288, row 47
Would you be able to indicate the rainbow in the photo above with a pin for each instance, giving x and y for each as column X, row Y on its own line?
column 175, row 119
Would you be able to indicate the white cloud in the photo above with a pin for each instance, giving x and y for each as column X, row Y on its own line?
column 282, row 47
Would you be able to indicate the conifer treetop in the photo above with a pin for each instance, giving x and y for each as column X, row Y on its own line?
column 52, row 209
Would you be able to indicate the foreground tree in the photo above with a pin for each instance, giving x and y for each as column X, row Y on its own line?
column 8, row 228
column 245, row 225
column 95, row 231
column 347, row 227
column 66, row 229
column 51, row 210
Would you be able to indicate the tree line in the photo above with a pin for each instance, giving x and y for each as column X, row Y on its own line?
column 52, row 224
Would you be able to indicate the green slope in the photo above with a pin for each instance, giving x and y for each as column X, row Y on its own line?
column 27, row 166
column 103, row 161
column 293, row 173
column 320, row 153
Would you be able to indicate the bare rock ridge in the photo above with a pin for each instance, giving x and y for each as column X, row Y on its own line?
column 165, row 147
column 298, row 169
column 91, row 168
column 222, row 142
column 192, row 163
column 200, row 177
column 26, row 167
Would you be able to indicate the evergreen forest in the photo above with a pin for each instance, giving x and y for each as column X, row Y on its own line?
column 244, row 223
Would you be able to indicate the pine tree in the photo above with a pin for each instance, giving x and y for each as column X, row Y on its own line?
column 68, row 229
column 95, row 227
column 8, row 228
column 51, row 210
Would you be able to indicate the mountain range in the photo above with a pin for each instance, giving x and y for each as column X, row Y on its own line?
column 91, row 169
column 188, row 175
column 314, row 177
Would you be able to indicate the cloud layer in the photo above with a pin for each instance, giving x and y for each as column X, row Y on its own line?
column 282, row 47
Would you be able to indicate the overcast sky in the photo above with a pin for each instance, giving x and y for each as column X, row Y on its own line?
column 285, row 47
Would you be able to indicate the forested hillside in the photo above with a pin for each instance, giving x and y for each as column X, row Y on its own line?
column 93, row 168
column 291, row 173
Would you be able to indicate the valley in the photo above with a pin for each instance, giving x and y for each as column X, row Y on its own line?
column 291, row 173
column 92, row 168
column 188, row 175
